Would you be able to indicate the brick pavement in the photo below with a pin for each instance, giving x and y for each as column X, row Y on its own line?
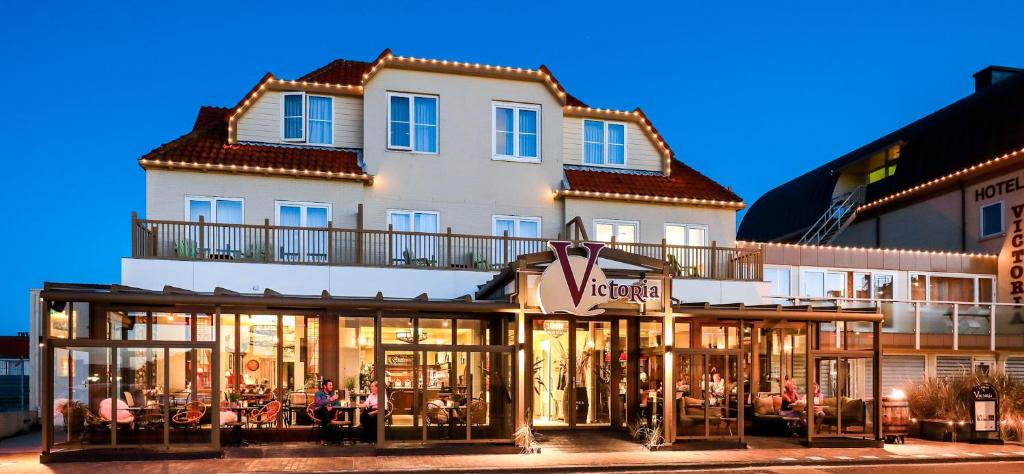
column 552, row 460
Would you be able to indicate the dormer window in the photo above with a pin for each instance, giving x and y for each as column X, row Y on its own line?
column 604, row 143
column 884, row 163
column 307, row 118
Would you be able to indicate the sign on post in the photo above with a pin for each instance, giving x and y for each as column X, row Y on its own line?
column 985, row 413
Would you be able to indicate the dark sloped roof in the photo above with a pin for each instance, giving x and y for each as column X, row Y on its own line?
column 207, row 144
column 683, row 182
column 14, row 347
column 979, row 127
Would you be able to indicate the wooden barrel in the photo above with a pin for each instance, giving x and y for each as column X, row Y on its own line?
column 895, row 417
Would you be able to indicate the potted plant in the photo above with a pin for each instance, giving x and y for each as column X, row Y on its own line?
column 350, row 388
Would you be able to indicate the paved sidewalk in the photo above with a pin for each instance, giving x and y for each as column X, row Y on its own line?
column 552, row 460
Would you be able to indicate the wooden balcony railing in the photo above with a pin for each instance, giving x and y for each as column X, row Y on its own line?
column 384, row 248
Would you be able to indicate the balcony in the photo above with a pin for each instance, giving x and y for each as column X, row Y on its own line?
column 180, row 240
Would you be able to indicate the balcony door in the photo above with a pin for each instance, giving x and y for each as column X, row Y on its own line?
column 300, row 237
column 409, row 248
column 224, row 238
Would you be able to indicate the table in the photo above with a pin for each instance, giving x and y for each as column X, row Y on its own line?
column 236, row 427
column 794, row 423
column 350, row 414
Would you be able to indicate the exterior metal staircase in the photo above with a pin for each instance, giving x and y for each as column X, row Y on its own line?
column 838, row 216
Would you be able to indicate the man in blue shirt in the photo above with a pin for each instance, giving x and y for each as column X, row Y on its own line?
column 324, row 409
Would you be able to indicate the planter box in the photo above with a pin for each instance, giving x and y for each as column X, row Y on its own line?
column 942, row 430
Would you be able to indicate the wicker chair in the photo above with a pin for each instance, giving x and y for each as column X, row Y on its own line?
column 344, row 427
column 190, row 414
column 477, row 411
column 266, row 416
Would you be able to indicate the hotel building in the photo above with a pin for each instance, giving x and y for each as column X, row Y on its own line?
column 398, row 221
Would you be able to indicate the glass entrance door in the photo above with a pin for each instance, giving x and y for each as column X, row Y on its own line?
column 592, row 375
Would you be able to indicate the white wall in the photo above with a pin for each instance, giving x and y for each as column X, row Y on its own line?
column 641, row 153
column 167, row 193
column 261, row 122
column 299, row 279
column 720, row 292
column 653, row 217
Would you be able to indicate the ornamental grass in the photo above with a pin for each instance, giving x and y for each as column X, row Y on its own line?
column 949, row 399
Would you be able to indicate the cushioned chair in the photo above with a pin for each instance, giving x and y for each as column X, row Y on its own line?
column 767, row 421
column 124, row 415
column 342, row 426
column 854, row 412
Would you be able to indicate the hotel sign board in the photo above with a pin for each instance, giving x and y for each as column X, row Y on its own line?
column 577, row 285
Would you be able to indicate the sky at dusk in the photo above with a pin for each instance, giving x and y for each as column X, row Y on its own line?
column 750, row 93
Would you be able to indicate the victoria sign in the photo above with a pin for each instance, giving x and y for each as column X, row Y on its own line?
column 575, row 284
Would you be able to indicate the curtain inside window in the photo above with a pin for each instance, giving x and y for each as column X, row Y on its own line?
column 316, row 217
column 426, row 223
column 290, row 216
column 399, row 122
column 400, row 222
column 504, row 225
column 593, row 142
column 320, row 120
column 293, row 117
column 229, row 212
column 616, row 144
column 503, row 130
column 426, row 124
column 528, row 133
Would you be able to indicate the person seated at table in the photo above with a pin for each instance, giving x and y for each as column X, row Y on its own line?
column 789, row 398
column 324, row 409
column 368, row 417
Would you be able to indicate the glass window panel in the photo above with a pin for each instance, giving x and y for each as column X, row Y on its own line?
column 603, row 232
column 320, row 120
column 503, row 125
column 883, row 287
column 426, row 124
column 401, row 221
column 60, row 323
column 316, row 216
column 529, row 229
column 81, row 387
column 426, row 222
column 953, row 289
column 985, row 290
column 436, row 331
column 229, row 211
column 814, row 284
column 876, row 175
column 528, row 133
column 696, row 236
column 200, row 207
column 991, row 219
column 862, row 285
column 259, row 356
column 127, row 325
column 835, row 285
column 399, row 331
column 471, row 332
column 293, row 117
column 675, row 235
column 917, row 286
column 501, row 226
column 626, row 233
column 172, row 326
column 290, row 216
column 356, row 355
column 400, row 122
column 593, row 142
column 616, row 144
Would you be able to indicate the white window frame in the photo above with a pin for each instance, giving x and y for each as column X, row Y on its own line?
column 515, row 156
column 604, row 144
column 788, row 281
column 615, row 227
column 302, row 138
column 304, row 206
column 412, row 123
column 928, row 285
column 412, row 214
column 305, row 121
column 517, row 220
column 213, row 206
column 981, row 220
column 686, row 232
column 874, row 285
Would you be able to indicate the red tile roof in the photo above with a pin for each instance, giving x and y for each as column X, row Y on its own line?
column 683, row 183
column 339, row 71
column 206, row 147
